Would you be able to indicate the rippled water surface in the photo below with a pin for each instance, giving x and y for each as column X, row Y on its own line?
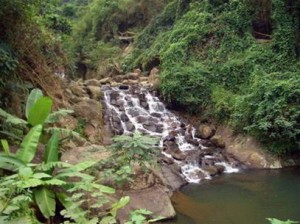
column 248, row 197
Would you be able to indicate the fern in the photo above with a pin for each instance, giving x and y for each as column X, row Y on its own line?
column 12, row 119
column 64, row 132
column 51, row 165
column 54, row 116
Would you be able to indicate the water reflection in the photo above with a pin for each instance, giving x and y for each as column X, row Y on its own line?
column 244, row 198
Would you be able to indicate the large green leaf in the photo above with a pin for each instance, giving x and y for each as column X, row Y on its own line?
column 10, row 162
column 45, row 200
column 33, row 97
column 29, row 144
column 51, row 153
column 40, row 111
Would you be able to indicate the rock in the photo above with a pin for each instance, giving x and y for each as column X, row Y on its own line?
column 133, row 112
column 220, row 169
column 171, row 177
column 247, row 150
column 95, row 92
column 93, row 134
column 169, row 138
column 211, row 170
column 77, row 89
column 68, row 122
column 145, row 105
column 123, row 87
column 178, row 155
column 118, row 78
column 105, row 81
column 154, row 79
column 141, row 119
column 167, row 160
column 124, row 117
column 133, row 82
column 218, row 141
column 88, row 109
column 143, row 79
column 154, row 199
column 80, row 154
column 158, row 115
column 94, row 82
column 206, row 131
column 130, row 126
column 133, row 76
column 207, row 151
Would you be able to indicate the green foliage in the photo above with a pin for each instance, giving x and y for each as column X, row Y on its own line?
column 276, row 221
column 37, row 111
column 142, row 216
column 210, row 55
column 136, row 149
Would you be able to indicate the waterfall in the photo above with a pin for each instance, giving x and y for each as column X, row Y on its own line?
column 134, row 108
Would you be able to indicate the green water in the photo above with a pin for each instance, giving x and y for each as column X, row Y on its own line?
column 243, row 198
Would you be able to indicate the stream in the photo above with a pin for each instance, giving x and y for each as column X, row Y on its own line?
column 230, row 195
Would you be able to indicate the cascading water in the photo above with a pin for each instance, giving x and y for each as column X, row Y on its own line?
column 134, row 108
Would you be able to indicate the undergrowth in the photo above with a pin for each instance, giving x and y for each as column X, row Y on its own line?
column 225, row 67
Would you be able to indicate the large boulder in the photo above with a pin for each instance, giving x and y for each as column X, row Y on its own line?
column 218, row 141
column 95, row 92
column 206, row 131
column 90, row 111
column 154, row 199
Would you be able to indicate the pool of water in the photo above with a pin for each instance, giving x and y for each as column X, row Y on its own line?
column 248, row 197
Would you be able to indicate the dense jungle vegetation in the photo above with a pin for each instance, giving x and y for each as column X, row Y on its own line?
column 232, row 62
column 236, row 62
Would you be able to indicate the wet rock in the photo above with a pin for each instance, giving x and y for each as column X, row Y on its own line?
column 124, row 117
column 206, row 143
column 123, row 87
column 141, row 119
column 166, row 160
column 211, row 170
column 158, row 115
column 207, row 162
column 133, row 112
column 130, row 126
column 207, row 151
column 171, row 177
column 218, row 141
column 178, row 155
column 192, row 156
column 159, row 129
column 205, row 131
column 190, row 140
column 170, row 146
column 169, row 138
column 150, row 127
column 114, row 95
column 220, row 169
column 145, row 105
